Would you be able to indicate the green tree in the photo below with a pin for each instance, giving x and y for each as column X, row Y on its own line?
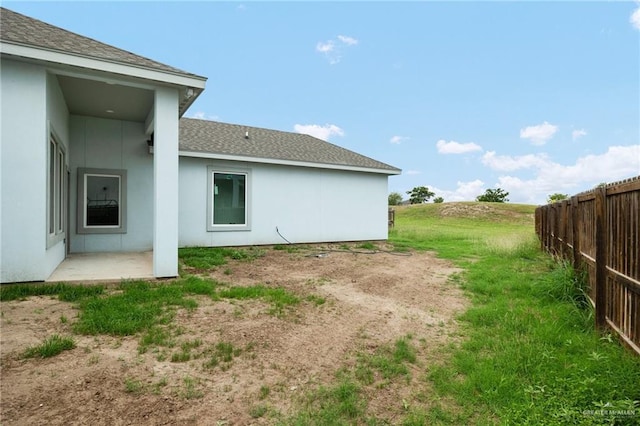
column 438, row 200
column 419, row 195
column 395, row 198
column 497, row 195
column 554, row 198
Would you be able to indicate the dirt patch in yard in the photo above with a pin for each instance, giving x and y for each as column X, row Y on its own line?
column 351, row 303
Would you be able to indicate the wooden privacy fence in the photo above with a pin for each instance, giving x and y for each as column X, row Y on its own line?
column 598, row 231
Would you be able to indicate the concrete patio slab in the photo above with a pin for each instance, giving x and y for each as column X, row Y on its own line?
column 83, row 267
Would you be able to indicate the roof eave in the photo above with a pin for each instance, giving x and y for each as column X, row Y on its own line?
column 104, row 65
column 249, row 159
column 184, row 106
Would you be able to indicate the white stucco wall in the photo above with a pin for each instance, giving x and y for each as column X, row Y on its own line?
column 29, row 99
column 306, row 204
column 114, row 144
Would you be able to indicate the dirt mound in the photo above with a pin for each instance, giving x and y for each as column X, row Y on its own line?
column 465, row 210
column 499, row 212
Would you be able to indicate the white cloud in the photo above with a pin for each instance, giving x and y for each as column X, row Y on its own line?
column 204, row 116
column 320, row 132
column 333, row 49
column 577, row 134
column 617, row 163
column 453, row 147
column 635, row 18
column 464, row 191
column 398, row 139
column 507, row 163
column 325, row 47
column 544, row 176
column 349, row 41
column 413, row 172
column 540, row 134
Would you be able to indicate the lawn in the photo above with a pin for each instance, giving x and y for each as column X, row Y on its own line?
column 530, row 353
column 458, row 319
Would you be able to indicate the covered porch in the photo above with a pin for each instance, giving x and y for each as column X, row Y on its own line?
column 104, row 267
column 122, row 178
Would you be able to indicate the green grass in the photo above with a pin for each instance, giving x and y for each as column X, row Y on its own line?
column 367, row 246
column 133, row 386
column 155, row 336
column 289, row 248
column 530, row 354
column 462, row 238
column 138, row 307
column 339, row 404
column 221, row 354
column 345, row 402
column 182, row 356
column 264, row 392
column 258, row 411
column 65, row 292
column 315, row 299
column 204, row 258
column 185, row 353
column 197, row 285
column 52, row 346
column 147, row 308
column 191, row 388
column 279, row 298
column 386, row 362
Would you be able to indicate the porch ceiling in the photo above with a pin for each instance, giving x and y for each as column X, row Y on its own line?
column 100, row 99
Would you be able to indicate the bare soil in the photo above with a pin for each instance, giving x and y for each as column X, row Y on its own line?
column 370, row 300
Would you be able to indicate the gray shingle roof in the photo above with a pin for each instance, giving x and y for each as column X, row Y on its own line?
column 212, row 137
column 23, row 30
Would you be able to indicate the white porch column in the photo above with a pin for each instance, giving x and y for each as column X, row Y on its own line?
column 165, row 184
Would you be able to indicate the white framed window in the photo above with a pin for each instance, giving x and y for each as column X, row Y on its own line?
column 102, row 201
column 56, row 190
column 228, row 201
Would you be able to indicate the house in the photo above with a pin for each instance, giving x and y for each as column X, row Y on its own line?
column 96, row 158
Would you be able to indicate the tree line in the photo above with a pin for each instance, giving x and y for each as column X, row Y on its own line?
column 422, row 194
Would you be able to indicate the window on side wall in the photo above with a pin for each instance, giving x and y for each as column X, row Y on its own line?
column 102, row 201
column 228, row 206
column 56, row 191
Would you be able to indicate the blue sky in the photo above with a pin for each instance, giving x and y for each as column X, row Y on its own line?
column 531, row 97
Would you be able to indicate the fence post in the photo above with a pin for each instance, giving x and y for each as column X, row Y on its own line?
column 565, row 228
column 575, row 222
column 540, row 214
column 601, row 257
column 553, row 231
